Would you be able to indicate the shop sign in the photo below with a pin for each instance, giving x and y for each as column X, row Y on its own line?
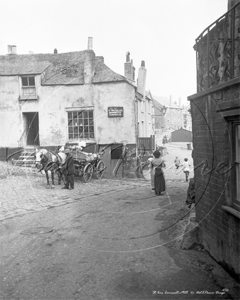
column 115, row 112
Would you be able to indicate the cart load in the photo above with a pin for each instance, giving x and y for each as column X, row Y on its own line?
column 87, row 164
column 80, row 155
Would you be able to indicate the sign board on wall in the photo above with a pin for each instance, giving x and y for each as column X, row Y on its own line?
column 115, row 112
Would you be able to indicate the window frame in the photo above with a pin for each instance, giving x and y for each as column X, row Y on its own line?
column 28, row 91
column 29, row 85
column 80, row 118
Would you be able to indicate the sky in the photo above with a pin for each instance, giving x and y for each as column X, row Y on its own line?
column 160, row 32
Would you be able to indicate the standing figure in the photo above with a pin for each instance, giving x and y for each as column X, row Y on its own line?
column 186, row 167
column 177, row 162
column 157, row 175
column 68, row 170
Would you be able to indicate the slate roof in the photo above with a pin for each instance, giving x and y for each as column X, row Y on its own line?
column 104, row 74
column 61, row 68
column 182, row 129
column 157, row 105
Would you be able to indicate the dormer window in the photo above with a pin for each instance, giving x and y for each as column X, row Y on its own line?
column 28, row 81
column 28, row 87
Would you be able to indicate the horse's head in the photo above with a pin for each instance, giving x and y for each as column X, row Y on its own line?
column 40, row 157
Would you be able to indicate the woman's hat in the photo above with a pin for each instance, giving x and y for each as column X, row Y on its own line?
column 156, row 153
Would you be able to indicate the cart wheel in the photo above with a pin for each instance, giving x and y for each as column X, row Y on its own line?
column 87, row 173
column 100, row 169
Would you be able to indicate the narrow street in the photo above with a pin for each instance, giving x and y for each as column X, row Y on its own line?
column 108, row 239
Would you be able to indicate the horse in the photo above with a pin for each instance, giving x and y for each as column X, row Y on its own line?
column 50, row 162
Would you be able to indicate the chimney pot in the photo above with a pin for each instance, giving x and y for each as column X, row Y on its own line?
column 55, row 51
column 101, row 59
column 90, row 43
column 128, row 56
column 143, row 64
column 12, row 49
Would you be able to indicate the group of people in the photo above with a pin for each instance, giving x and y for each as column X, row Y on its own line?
column 157, row 175
column 166, row 139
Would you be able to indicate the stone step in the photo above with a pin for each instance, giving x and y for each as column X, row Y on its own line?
column 28, row 154
column 23, row 163
column 26, row 157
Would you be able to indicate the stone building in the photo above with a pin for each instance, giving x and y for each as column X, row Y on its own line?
column 169, row 114
column 215, row 112
column 59, row 98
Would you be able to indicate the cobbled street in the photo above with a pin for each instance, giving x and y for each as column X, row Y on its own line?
column 108, row 239
column 29, row 193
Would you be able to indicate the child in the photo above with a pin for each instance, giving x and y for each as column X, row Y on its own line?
column 186, row 167
column 177, row 162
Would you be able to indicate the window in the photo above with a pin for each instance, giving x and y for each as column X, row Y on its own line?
column 28, row 81
column 80, row 125
column 28, row 86
column 116, row 151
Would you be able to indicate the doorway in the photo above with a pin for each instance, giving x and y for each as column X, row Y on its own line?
column 31, row 128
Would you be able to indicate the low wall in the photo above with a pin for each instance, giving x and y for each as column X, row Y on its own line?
column 9, row 153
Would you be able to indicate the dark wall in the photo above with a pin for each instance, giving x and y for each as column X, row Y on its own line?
column 212, row 148
column 9, row 153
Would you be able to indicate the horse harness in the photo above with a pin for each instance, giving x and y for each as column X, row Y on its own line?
column 47, row 162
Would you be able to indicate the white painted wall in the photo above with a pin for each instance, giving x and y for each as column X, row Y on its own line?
column 53, row 104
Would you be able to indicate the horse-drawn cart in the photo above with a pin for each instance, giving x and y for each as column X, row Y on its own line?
column 87, row 164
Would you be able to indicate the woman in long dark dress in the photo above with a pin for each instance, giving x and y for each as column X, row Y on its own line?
column 158, row 180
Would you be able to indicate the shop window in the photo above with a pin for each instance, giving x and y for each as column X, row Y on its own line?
column 80, row 125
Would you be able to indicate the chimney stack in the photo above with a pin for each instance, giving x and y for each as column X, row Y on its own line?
column 55, row 51
column 90, row 43
column 141, row 82
column 129, row 70
column 89, row 66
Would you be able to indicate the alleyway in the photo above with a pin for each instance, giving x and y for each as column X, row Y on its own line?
column 108, row 239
